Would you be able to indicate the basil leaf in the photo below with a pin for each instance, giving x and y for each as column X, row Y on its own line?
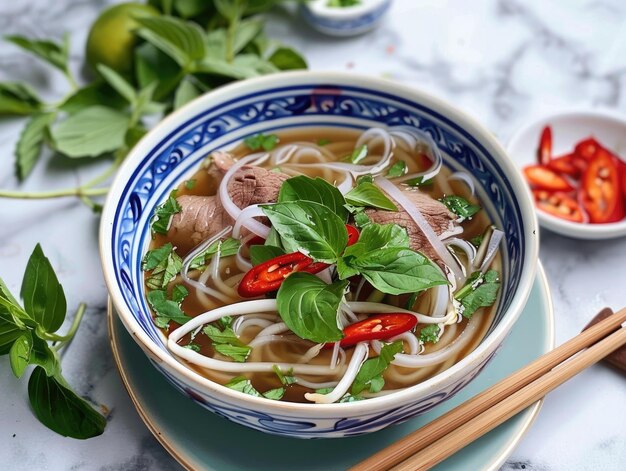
column 378, row 236
column 311, row 227
column 19, row 355
column 263, row 253
column 286, row 58
column 318, row 190
column 460, row 206
column 361, row 219
column 9, row 332
column 246, row 31
column 397, row 170
column 372, row 369
column 18, row 99
column 368, row 194
column 358, row 154
column 119, row 83
column 226, row 247
column 183, row 41
column 97, row 93
column 45, row 357
column 274, row 239
column 418, row 181
column 31, row 141
column 50, row 51
column 430, row 333
column 90, row 132
column 160, row 221
column 154, row 66
column 479, row 291
column 166, row 309
column 185, row 92
column 189, row 8
column 60, row 409
column 44, row 299
column 397, row 270
column 309, row 306
column 258, row 141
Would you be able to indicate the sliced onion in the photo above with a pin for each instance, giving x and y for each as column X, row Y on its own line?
column 412, row 136
column 465, row 178
column 231, row 208
column 492, row 249
column 243, row 322
column 441, row 250
column 465, row 246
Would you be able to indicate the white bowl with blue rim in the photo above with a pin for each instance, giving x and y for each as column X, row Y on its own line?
column 352, row 20
column 173, row 150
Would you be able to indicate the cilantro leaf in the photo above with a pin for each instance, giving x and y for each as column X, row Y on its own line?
column 227, row 343
column 226, row 248
column 397, row 170
column 166, row 310
column 164, row 263
column 479, row 291
column 430, row 333
column 460, row 206
column 160, row 222
column 323, row 141
column 244, row 385
column 371, row 370
column 265, row 141
column 285, row 379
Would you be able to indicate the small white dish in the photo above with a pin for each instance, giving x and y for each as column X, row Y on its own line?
column 568, row 128
column 344, row 21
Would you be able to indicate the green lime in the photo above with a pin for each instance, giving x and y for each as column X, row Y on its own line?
column 111, row 40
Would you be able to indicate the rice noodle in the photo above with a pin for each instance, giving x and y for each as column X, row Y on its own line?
column 265, row 339
column 215, row 271
column 311, row 353
column 492, row 249
column 246, row 219
column 315, row 384
column 465, row 246
column 441, row 250
column 442, row 299
column 243, row 322
column 465, row 178
column 412, row 136
column 358, row 357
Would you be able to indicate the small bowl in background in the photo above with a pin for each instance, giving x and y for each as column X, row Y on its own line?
column 344, row 21
column 569, row 128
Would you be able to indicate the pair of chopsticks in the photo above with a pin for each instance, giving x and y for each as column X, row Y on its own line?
column 433, row 443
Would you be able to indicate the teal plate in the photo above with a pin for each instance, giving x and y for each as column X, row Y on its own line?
column 200, row 440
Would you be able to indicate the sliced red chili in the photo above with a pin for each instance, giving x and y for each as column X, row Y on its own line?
column 601, row 193
column 256, row 240
column 569, row 164
column 376, row 327
column 560, row 205
column 353, row 234
column 587, row 148
column 544, row 153
column 541, row 177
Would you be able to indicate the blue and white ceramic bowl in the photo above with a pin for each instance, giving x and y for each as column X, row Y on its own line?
column 345, row 21
column 174, row 149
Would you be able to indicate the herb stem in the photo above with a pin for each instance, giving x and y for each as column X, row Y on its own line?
column 65, row 339
column 78, row 191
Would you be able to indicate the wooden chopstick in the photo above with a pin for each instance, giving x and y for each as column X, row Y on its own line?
column 457, row 418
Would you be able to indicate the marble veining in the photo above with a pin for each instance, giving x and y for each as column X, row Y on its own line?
column 502, row 61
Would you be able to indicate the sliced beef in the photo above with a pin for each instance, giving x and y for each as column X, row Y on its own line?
column 203, row 216
column 435, row 212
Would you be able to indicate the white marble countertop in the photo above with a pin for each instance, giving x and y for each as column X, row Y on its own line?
column 502, row 61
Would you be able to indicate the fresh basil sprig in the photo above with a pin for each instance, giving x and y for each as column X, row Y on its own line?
column 370, row 374
column 316, row 190
column 24, row 336
column 367, row 194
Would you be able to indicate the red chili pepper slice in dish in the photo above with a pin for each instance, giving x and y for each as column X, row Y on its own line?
column 601, row 192
column 587, row 148
column 544, row 153
column 569, row 164
column 376, row 327
column 541, row 177
column 560, row 205
column 268, row 276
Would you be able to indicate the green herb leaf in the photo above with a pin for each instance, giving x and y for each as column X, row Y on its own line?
column 45, row 357
column 361, row 219
column 9, row 332
column 479, row 291
column 377, row 383
column 160, row 221
column 190, row 184
column 246, row 31
column 90, row 132
column 31, row 141
column 154, row 66
column 226, row 247
column 317, row 190
column 18, row 99
column 460, row 206
column 179, row 293
column 193, row 346
column 118, row 83
column 372, row 369
column 430, row 333
column 323, row 141
column 153, row 258
column 378, row 236
column 243, row 384
column 476, row 241
column 358, row 154
column 183, row 41
column 19, row 354
column 168, row 265
column 227, row 343
column 311, row 227
column 351, row 398
column 97, row 93
column 54, row 53
column 309, row 306
column 263, row 253
column 368, row 194
column 397, row 170
column 226, row 321
column 236, row 352
column 286, row 58
column 185, row 92
column 418, row 181
column 60, row 409
column 274, row 394
column 44, row 299
column 397, row 270
column 258, row 141
column 285, row 379
column 166, row 309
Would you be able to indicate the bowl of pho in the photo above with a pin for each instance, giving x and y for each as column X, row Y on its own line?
column 318, row 254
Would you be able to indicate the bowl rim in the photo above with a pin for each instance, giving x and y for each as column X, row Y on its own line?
column 310, row 78
column 320, row 9
column 561, row 226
